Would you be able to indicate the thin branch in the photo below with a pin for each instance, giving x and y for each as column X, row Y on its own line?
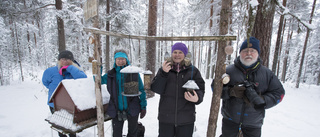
column 20, row 12
column 307, row 25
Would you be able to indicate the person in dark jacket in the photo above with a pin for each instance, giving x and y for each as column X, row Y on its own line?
column 122, row 107
column 177, row 107
column 252, row 89
column 66, row 68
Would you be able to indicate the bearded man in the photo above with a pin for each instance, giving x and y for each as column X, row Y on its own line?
column 252, row 89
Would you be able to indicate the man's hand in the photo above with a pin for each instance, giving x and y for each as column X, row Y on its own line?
column 192, row 98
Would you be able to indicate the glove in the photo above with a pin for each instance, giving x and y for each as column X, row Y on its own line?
column 62, row 69
column 143, row 113
column 237, row 91
column 253, row 96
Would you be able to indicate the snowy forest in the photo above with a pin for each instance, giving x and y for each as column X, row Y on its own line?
column 34, row 31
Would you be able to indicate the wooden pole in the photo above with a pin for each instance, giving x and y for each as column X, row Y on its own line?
column 154, row 38
column 97, row 57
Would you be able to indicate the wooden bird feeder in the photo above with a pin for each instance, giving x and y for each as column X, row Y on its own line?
column 75, row 105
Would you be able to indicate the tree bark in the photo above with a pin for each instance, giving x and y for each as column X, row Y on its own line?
column 286, row 55
column 262, row 29
column 99, row 102
column 107, row 59
column 277, row 48
column 61, row 37
column 220, row 69
column 305, row 46
column 151, row 45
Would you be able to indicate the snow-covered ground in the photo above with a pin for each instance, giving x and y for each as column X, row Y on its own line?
column 23, row 109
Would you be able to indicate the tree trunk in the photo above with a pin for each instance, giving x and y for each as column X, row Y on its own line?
column 97, row 56
column 220, row 69
column 262, row 29
column 286, row 56
column 61, row 37
column 107, row 53
column 151, row 45
column 305, row 46
column 209, row 51
column 277, row 48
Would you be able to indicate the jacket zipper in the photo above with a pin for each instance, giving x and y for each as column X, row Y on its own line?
column 176, row 110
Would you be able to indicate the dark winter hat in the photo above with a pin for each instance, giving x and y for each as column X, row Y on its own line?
column 254, row 43
column 65, row 54
column 180, row 46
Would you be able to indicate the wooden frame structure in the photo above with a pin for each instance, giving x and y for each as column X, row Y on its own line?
column 152, row 38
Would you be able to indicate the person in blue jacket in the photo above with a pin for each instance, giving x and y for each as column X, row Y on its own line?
column 121, row 107
column 66, row 68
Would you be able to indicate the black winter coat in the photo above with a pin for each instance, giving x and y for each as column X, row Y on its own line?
column 269, row 87
column 173, row 107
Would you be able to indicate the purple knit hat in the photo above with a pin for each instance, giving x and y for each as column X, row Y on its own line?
column 180, row 46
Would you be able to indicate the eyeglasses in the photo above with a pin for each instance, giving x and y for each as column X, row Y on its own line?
column 249, row 50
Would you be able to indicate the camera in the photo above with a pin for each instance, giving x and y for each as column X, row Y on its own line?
column 253, row 96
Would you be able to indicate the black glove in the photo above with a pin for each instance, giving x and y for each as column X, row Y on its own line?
column 225, row 92
column 253, row 97
column 237, row 91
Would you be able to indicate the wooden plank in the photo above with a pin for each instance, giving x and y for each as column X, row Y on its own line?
column 152, row 38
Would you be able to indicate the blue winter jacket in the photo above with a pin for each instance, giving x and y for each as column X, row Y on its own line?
column 51, row 77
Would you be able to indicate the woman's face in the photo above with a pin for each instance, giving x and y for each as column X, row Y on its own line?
column 65, row 62
column 121, row 61
column 177, row 56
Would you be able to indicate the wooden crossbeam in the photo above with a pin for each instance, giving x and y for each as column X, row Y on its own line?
column 153, row 38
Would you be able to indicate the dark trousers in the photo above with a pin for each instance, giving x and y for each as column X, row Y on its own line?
column 170, row 130
column 132, row 126
column 231, row 129
column 60, row 134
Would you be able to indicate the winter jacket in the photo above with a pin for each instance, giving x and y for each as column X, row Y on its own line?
column 173, row 107
column 118, row 102
column 269, row 87
column 51, row 77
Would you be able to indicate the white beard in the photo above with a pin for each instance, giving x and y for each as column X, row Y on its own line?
column 248, row 62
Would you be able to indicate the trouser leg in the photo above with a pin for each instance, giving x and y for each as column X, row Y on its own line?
column 184, row 130
column 229, row 128
column 132, row 126
column 117, row 127
column 166, row 130
column 251, row 131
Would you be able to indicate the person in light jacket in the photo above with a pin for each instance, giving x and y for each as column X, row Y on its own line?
column 66, row 68
column 177, row 107
column 252, row 89
column 122, row 108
